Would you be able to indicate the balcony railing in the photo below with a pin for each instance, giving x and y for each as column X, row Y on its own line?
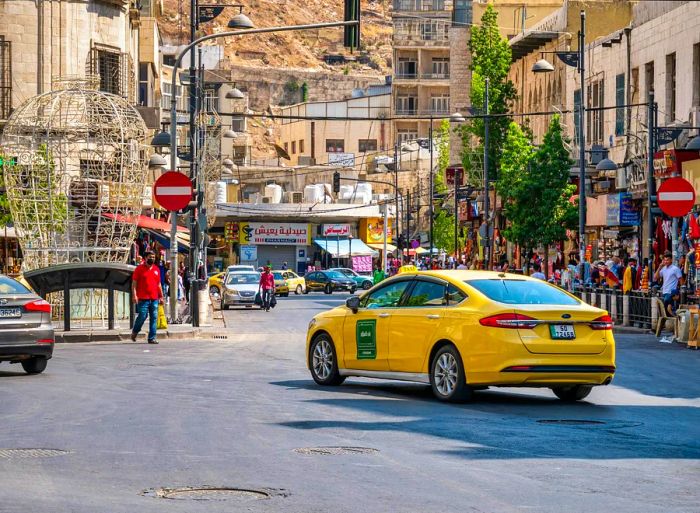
column 420, row 5
column 422, row 76
column 5, row 78
column 406, row 76
column 402, row 111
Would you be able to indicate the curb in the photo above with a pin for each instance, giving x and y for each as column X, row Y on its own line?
column 124, row 336
column 629, row 330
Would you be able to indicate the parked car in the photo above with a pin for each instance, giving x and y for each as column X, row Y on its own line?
column 281, row 286
column 328, row 282
column 238, row 268
column 26, row 332
column 294, row 281
column 240, row 289
column 216, row 283
column 363, row 282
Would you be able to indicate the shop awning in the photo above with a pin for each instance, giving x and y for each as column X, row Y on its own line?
column 183, row 239
column 389, row 247
column 145, row 222
column 340, row 248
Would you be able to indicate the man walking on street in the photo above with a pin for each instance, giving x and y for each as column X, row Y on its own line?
column 147, row 293
column 670, row 275
column 267, row 287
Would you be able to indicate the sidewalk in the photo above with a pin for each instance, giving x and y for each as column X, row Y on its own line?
column 174, row 332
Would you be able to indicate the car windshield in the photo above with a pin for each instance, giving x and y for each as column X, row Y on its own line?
column 522, row 292
column 242, row 278
column 347, row 272
column 336, row 275
column 10, row 286
column 278, row 275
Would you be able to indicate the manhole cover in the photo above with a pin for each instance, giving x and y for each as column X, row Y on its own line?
column 333, row 451
column 31, row 453
column 213, row 493
column 571, row 422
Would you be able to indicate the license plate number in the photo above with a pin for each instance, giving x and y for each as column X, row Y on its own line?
column 562, row 331
column 7, row 313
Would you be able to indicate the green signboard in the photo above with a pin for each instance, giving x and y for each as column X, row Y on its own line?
column 366, row 337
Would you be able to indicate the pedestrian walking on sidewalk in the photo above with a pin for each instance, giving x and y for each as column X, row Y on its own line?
column 147, row 294
column 267, row 287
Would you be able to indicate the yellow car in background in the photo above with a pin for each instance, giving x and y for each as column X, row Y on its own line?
column 464, row 330
column 281, row 286
column 216, row 283
column 295, row 282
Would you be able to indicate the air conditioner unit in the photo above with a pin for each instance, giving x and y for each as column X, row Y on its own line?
column 297, row 197
column 267, row 199
column 254, row 198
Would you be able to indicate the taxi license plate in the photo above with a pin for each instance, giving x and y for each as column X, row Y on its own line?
column 562, row 331
column 8, row 313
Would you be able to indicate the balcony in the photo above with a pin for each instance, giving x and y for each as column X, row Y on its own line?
column 428, row 34
column 437, row 112
column 431, row 77
column 422, row 5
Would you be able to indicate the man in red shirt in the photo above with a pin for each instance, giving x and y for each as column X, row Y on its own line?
column 146, row 292
column 267, row 287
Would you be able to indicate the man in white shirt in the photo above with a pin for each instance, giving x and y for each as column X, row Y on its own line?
column 670, row 275
column 538, row 272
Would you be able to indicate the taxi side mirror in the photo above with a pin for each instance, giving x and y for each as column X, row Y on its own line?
column 353, row 303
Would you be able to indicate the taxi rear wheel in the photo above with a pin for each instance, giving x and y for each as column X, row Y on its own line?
column 574, row 393
column 299, row 290
column 323, row 362
column 447, row 377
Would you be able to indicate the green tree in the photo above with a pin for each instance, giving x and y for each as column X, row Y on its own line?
column 443, row 160
column 444, row 232
column 5, row 215
column 535, row 187
column 491, row 59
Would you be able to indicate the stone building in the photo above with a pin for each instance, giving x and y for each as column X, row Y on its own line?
column 41, row 41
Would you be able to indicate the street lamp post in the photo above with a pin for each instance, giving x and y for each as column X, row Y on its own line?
column 430, row 189
column 239, row 21
column 487, row 239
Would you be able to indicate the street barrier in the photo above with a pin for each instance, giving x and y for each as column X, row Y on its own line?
column 637, row 308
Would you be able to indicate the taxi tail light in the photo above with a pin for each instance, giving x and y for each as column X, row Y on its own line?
column 509, row 321
column 603, row 322
column 38, row 305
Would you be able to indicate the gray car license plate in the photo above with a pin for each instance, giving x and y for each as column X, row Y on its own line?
column 8, row 313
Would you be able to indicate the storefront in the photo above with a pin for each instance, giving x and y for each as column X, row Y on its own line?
column 10, row 252
column 274, row 244
column 613, row 222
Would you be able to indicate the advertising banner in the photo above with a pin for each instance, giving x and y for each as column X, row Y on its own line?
column 298, row 234
column 362, row 264
column 372, row 230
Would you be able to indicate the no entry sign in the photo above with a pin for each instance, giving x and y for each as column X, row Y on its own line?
column 173, row 191
column 676, row 197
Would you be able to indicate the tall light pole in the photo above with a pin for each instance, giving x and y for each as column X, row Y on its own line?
column 430, row 189
column 487, row 239
column 239, row 21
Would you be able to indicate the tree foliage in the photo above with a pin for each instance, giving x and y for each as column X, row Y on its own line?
column 443, row 160
column 444, row 232
column 5, row 215
column 491, row 59
column 534, row 185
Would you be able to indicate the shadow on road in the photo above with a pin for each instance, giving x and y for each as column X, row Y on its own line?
column 504, row 425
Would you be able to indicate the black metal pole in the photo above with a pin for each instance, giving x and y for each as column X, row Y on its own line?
column 487, row 240
column 456, row 176
column 194, row 141
column 397, row 217
column 651, row 192
column 582, row 148
column 430, row 190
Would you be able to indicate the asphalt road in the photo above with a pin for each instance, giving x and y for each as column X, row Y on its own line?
column 135, row 418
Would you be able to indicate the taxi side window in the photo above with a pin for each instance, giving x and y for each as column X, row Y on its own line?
column 454, row 295
column 427, row 293
column 387, row 296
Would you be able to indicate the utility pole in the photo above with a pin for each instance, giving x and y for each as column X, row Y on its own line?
column 487, row 239
column 396, row 192
column 194, row 143
column 651, row 190
column 430, row 190
column 456, row 176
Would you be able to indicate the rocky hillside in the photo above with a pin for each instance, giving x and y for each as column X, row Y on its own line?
column 293, row 49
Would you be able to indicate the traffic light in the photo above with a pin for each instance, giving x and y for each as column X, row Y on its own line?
column 336, row 182
column 351, row 37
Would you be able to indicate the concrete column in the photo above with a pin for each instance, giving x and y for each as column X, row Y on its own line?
column 654, row 311
column 613, row 306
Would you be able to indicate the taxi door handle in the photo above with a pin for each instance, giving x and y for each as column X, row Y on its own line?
column 383, row 315
column 433, row 316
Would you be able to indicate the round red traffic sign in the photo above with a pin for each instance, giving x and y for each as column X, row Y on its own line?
column 173, row 191
column 676, row 197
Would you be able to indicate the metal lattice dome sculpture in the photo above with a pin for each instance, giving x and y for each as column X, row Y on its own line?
column 77, row 186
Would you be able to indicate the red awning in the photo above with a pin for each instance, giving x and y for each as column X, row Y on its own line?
column 145, row 222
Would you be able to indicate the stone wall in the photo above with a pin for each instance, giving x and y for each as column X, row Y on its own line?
column 276, row 86
column 460, row 83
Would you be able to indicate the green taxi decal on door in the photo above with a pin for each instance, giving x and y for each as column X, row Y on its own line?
column 366, row 336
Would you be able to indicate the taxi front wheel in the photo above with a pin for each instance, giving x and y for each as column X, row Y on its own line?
column 447, row 377
column 574, row 393
column 323, row 362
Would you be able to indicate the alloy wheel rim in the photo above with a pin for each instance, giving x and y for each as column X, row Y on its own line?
column 446, row 374
column 323, row 359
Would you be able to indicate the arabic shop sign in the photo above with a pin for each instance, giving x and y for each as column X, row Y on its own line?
column 621, row 210
column 275, row 233
column 336, row 230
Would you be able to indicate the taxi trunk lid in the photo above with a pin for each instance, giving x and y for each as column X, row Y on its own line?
column 554, row 323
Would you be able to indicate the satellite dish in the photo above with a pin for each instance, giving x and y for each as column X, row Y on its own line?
column 282, row 153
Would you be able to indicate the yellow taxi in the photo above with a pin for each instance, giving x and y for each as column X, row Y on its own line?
column 295, row 282
column 465, row 330
column 216, row 283
column 281, row 285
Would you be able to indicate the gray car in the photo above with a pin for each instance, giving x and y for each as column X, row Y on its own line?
column 26, row 332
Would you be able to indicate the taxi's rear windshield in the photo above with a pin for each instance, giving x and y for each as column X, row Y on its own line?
column 522, row 292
